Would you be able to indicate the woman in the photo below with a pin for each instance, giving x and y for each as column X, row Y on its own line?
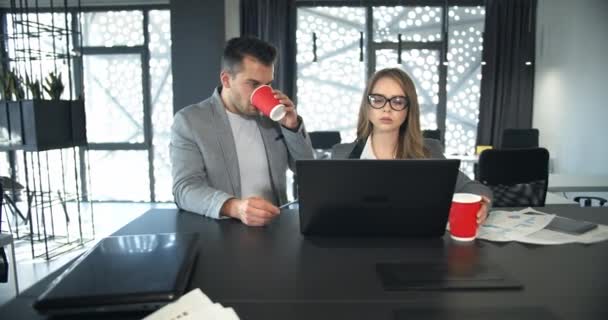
column 389, row 128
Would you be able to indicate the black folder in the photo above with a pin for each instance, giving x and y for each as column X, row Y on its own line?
column 124, row 274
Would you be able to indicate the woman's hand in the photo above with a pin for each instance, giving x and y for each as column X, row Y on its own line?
column 482, row 214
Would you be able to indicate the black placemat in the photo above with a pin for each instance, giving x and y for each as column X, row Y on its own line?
column 494, row 313
column 443, row 276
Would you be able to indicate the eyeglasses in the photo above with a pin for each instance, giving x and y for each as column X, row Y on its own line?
column 397, row 103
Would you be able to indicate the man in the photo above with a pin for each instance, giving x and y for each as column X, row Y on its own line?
column 227, row 159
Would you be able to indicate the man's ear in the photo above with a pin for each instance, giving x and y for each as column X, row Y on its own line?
column 225, row 79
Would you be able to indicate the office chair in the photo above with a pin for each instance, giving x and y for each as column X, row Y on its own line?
column 324, row 140
column 432, row 134
column 517, row 177
column 587, row 201
column 519, row 138
column 14, row 188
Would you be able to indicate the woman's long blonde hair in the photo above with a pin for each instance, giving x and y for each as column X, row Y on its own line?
column 410, row 144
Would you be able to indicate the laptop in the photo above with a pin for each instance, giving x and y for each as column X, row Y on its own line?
column 124, row 274
column 403, row 198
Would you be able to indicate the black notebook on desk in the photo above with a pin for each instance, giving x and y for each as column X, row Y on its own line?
column 441, row 275
column 124, row 273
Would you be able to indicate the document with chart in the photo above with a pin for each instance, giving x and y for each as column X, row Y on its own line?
column 536, row 227
column 505, row 226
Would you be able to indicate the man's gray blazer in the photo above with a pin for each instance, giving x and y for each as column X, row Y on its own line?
column 463, row 183
column 204, row 161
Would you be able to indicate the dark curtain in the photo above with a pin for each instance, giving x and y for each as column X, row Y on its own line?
column 507, row 84
column 3, row 259
column 274, row 21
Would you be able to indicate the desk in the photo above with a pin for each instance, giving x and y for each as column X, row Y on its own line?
column 577, row 183
column 275, row 273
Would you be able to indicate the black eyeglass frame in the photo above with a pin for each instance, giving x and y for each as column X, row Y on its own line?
column 390, row 101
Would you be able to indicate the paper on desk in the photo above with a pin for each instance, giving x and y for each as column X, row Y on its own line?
column 193, row 306
column 503, row 226
column 549, row 237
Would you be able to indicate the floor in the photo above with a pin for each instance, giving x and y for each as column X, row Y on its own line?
column 108, row 217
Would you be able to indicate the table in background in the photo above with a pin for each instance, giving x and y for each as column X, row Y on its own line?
column 275, row 273
column 554, row 198
column 577, row 183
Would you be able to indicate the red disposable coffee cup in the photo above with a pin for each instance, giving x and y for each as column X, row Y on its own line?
column 263, row 99
column 463, row 216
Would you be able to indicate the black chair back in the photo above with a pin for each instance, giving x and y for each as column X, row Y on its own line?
column 519, row 138
column 320, row 140
column 432, row 134
column 587, row 201
column 324, row 139
column 517, row 177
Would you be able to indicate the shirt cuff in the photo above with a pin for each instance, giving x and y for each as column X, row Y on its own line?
column 297, row 128
column 215, row 211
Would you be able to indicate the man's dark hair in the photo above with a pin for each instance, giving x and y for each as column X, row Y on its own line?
column 237, row 48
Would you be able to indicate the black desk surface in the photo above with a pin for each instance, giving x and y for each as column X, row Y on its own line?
column 275, row 273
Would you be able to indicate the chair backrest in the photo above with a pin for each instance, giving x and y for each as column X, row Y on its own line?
column 432, row 134
column 519, row 138
column 324, row 139
column 320, row 140
column 587, row 201
column 517, row 177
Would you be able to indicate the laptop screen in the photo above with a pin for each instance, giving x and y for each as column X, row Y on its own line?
column 375, row 197
column 125, row 270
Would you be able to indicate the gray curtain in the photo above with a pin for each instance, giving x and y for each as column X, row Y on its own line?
column 507, row 84
column 274, row 21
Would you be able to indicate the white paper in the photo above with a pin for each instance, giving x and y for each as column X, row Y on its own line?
column 550, row 237
column 194, row 305
column 505, row 226
column 596, row 235
column 527, row 226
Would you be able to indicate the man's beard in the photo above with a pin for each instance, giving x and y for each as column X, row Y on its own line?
column 248, row 109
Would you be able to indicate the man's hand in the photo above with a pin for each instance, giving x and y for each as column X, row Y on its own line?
column 290, row 120
column 482, row 214
column 252, row 211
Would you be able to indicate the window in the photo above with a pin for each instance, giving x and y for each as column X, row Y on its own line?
column 126, row 63
column 127, row 79
column 445, row 69
column 329, row 90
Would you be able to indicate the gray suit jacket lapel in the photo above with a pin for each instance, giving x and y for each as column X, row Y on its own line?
column 225, row 141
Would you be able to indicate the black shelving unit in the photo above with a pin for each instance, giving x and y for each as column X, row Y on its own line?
column 48, row 135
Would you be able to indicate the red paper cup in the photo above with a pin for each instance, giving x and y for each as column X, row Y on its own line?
column 263, row 99
column 463, row 216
